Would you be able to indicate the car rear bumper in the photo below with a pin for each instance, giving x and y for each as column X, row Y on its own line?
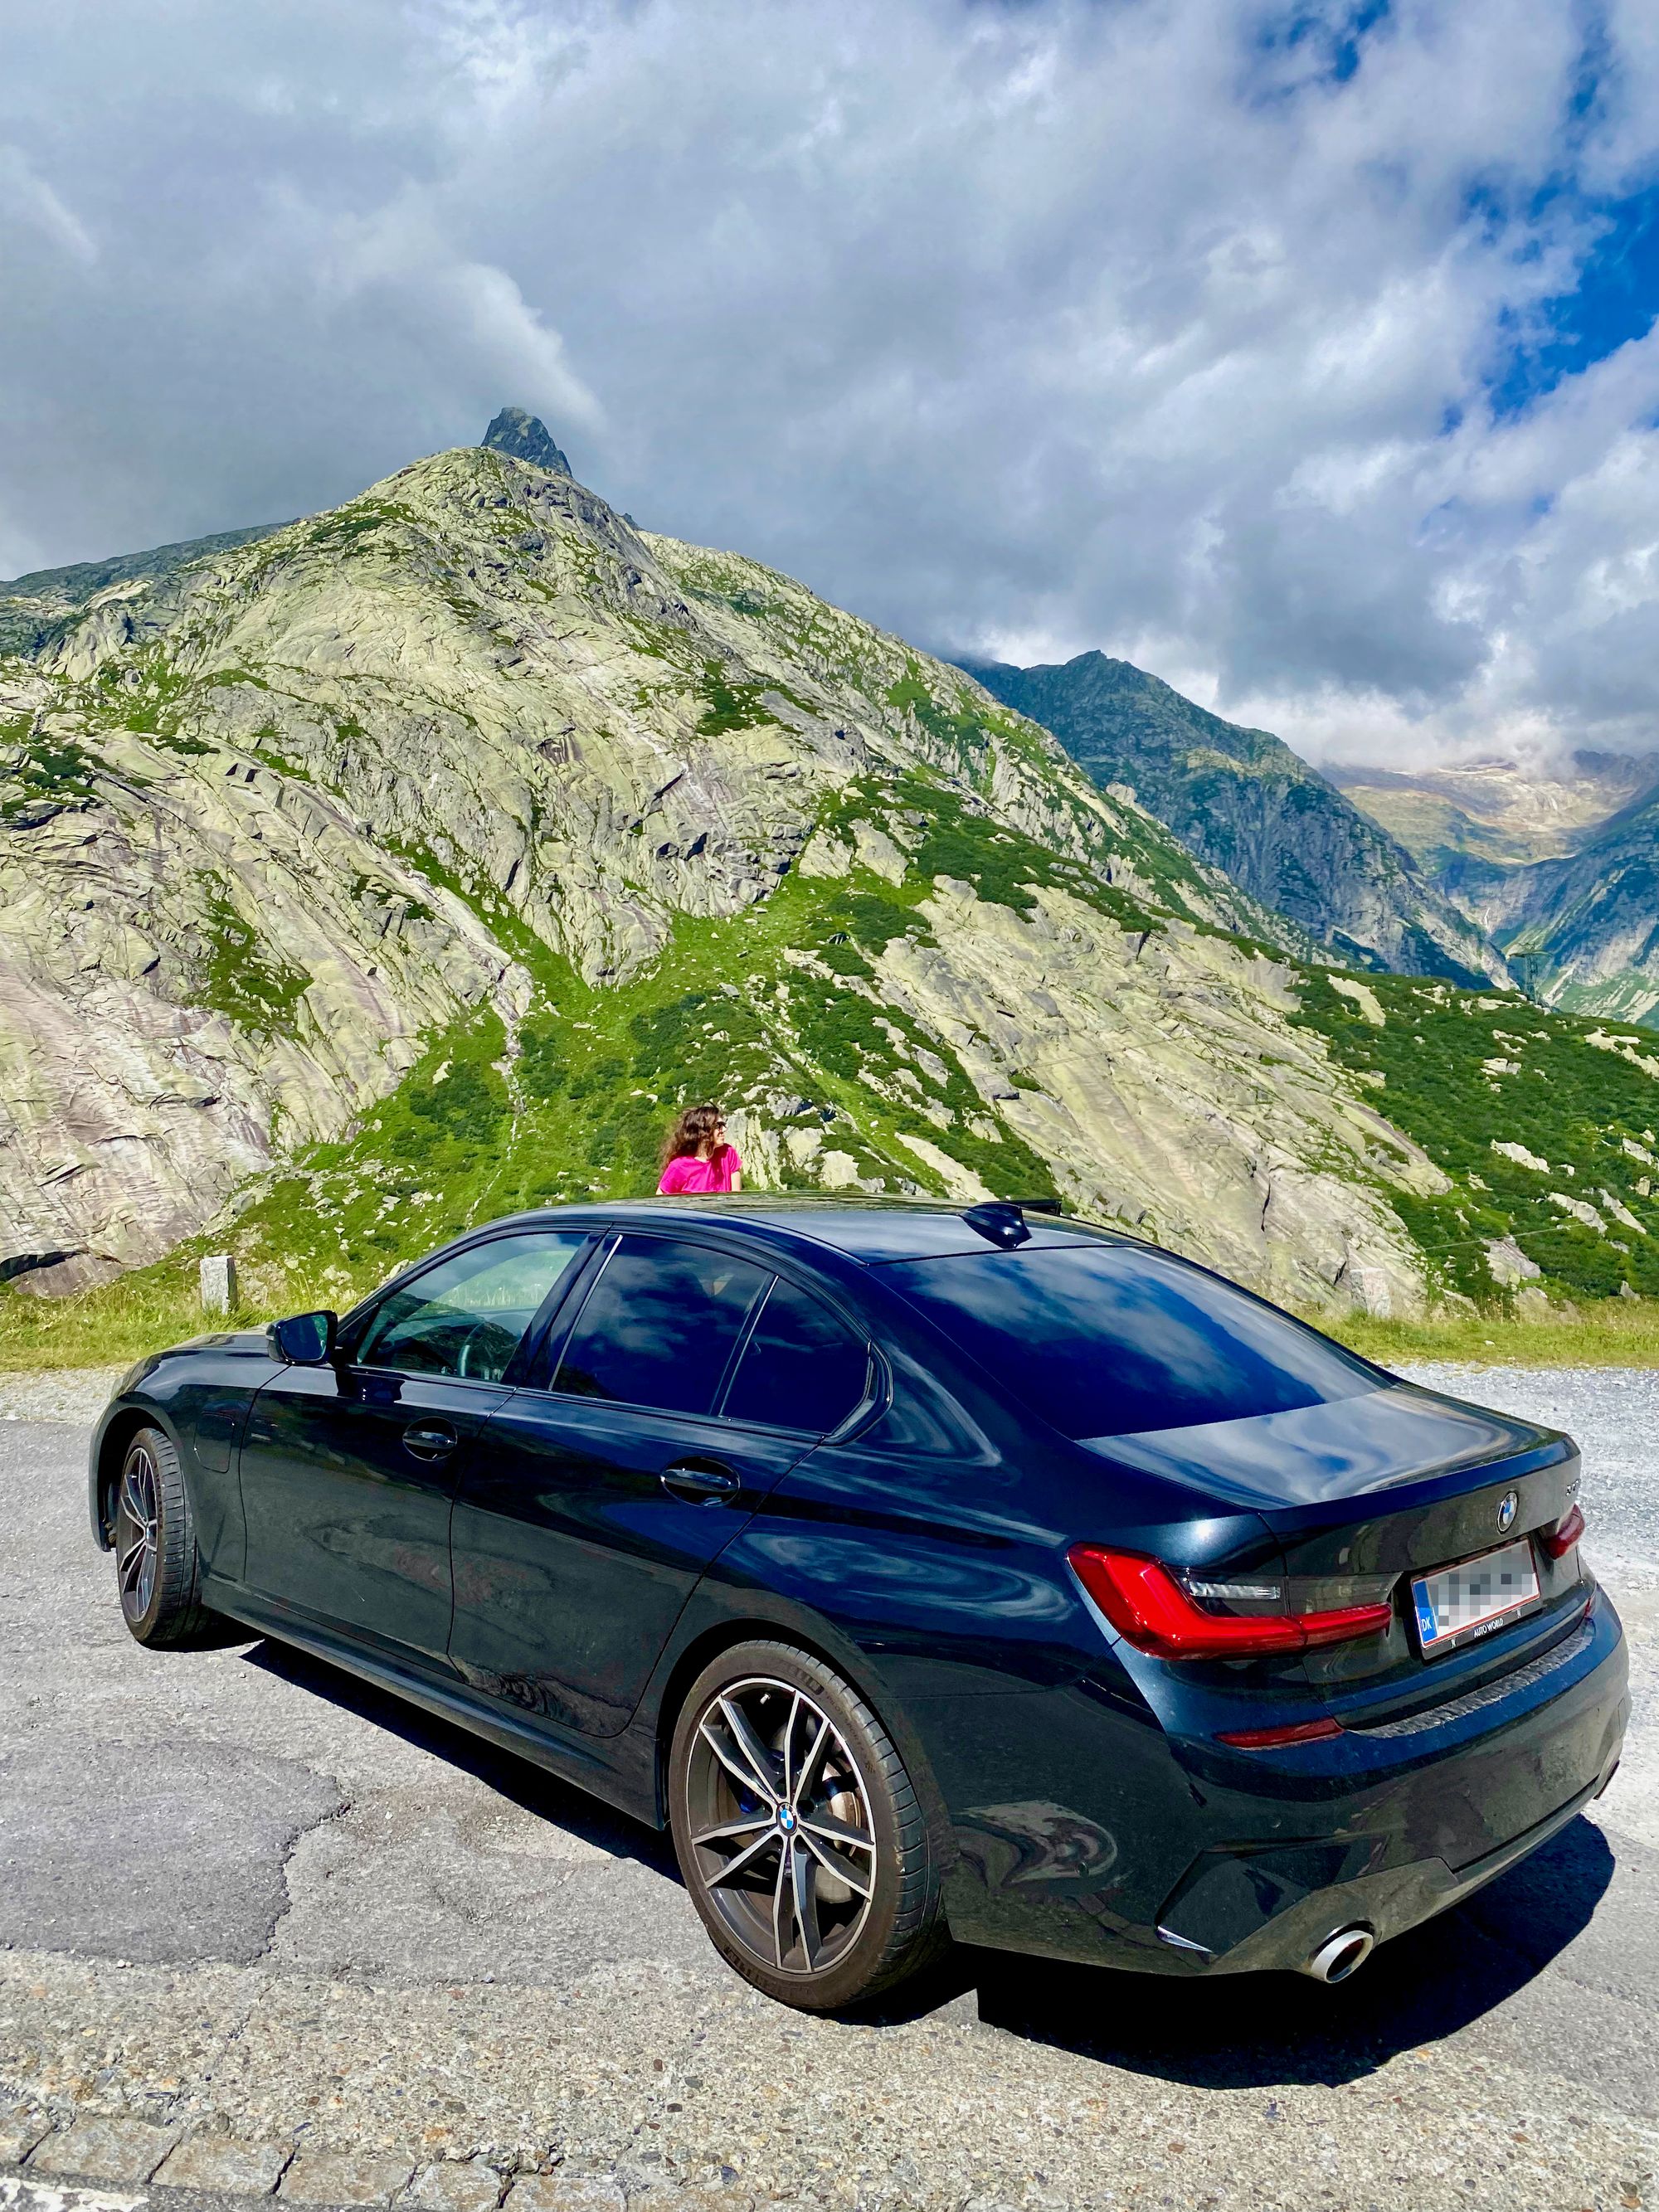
column 1386, row 1902
column 1132, row 1849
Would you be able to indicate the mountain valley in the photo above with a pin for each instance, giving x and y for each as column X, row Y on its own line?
column 1561, row 870
column 1505, row 813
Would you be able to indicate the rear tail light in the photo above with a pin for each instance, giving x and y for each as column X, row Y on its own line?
column 1559, row 1540
column 1149, row 1608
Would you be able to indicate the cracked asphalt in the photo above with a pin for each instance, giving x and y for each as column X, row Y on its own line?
column 255, row 1910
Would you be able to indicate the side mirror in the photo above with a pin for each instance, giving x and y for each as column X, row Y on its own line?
column 305, row 1340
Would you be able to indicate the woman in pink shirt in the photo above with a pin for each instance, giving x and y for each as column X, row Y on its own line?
column 698, row 1156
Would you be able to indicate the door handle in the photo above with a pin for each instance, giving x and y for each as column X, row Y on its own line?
column 430, row 1439
column 701, row 1482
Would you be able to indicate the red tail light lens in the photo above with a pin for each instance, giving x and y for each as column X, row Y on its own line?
column 1148, row 1608
column 1560, row 1540
column 1268, row 1739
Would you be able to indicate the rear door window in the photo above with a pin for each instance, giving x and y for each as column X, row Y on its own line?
column 802, row 1368
column 468, row 1316
column 660, row 1325
column 1111, row 1340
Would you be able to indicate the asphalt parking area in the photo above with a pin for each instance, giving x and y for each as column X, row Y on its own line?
column 261, row 1928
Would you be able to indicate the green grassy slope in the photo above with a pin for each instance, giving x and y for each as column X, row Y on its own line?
column 572, row 1106
column 1463, row 1072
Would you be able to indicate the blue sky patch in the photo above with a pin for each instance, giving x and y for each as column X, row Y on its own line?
column 1614, row 298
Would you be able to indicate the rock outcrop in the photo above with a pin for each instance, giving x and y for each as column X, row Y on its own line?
column 525, row 437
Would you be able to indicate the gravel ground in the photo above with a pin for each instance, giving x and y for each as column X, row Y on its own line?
column 256, row 1921
column 64, row 1394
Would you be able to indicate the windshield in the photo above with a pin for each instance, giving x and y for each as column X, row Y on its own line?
column 1112, row 1340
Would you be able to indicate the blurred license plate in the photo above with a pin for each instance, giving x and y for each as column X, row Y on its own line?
column 1477, row 1594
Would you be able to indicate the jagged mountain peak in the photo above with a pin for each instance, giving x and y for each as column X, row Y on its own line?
column 527, row 438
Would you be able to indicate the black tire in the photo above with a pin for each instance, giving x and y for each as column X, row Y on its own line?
column 785, row 1900
column 158, row 1569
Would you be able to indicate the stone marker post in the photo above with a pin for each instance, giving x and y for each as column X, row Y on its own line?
column 218, row 1280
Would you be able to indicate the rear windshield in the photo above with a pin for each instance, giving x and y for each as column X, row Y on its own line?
column 1109, row 1341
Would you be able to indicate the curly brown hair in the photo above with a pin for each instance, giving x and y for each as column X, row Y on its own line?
column 691, row 1126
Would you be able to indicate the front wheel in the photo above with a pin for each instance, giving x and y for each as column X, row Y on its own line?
column 799, row 1832
column 157, row 1566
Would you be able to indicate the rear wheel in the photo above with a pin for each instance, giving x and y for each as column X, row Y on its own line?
column 157, row 1567
column 799, row 1834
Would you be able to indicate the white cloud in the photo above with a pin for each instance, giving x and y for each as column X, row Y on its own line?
column 1024, row 327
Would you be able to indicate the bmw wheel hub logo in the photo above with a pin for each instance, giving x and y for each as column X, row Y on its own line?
column 1509, row 1506
column 786, row 1819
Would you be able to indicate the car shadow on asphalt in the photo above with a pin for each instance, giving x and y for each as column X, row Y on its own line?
column 517, row 1779
column 1261, row 2031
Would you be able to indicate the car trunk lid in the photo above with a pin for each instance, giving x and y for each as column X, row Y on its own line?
column 1365, row 1495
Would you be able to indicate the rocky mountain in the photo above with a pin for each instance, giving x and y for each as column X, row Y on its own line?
column 32, row 606
column 1244, row 801
column 526, row 438
column 413, row 862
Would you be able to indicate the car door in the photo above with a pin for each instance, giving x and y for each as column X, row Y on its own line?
column 596, row 1500
column 349, row 1471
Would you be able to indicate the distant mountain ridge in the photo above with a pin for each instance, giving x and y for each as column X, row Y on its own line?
column 1507, row 812
column 31, row 605
column 1245, row 802
column 1583, row 930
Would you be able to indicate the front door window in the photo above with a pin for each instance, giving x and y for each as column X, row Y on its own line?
column 467, row 1317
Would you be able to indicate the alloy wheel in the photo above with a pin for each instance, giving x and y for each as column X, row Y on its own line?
column 136, row 1528
column 779, row 1825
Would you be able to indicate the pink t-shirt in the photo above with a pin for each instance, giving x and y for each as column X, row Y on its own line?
column 690, row 1173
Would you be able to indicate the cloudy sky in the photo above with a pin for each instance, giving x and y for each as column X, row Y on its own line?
column 1299, row 352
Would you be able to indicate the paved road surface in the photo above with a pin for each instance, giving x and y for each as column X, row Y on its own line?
column 254, row 1907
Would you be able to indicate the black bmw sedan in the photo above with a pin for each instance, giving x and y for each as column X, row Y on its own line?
column 930, row 1573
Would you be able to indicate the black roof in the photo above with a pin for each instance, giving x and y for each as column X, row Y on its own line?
column 869, row 1230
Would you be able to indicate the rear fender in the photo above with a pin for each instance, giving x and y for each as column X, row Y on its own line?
column 722, row 1612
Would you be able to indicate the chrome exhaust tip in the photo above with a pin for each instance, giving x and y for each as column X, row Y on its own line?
column 1340, row 1955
